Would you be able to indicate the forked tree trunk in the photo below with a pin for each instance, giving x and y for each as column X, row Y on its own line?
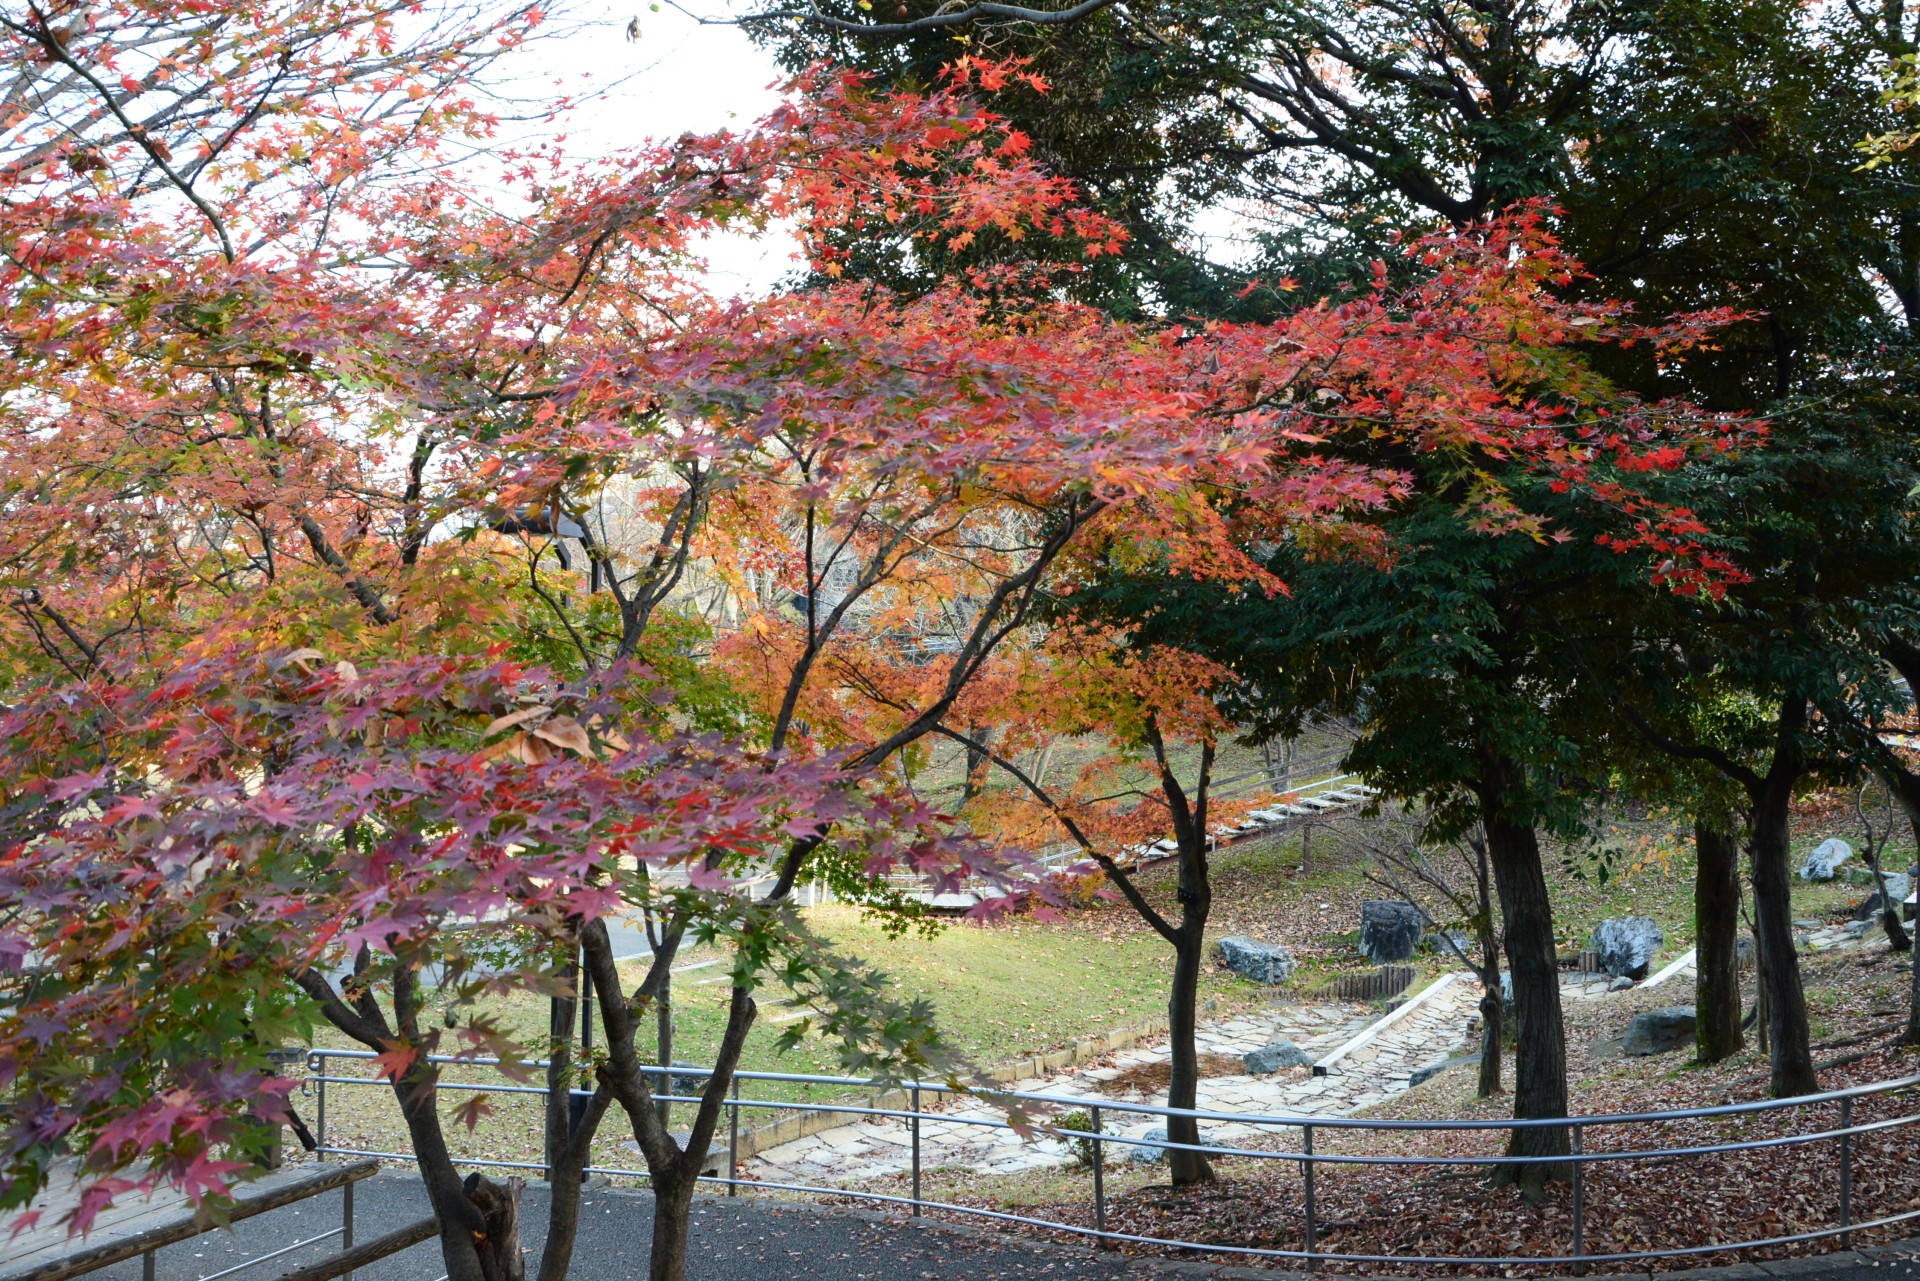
column 1788, row 1037
column 1716, row 916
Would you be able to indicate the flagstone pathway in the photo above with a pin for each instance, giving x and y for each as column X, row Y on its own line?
column 966, row 1133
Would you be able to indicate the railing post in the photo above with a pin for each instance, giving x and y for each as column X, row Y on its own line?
column 916, row 1151
column 346, row 1223
column 1099, row 1179
column 733, row 1142
column 1579, row 1206
column 317, row 1064
column 146, row 1266
column 1846, row 1172
column 1306, row 1177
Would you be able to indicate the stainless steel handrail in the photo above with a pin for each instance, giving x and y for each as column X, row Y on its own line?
column 1582, row 1155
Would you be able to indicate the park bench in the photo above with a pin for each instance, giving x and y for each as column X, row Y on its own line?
column 136, row 1227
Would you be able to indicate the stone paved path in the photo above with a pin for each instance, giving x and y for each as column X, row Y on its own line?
column 1384, row 1067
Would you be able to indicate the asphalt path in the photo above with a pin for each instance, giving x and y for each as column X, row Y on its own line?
column 750, row 1239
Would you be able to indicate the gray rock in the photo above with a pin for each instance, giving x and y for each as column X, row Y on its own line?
column 1149, row 1155
column 1899, row 885
column 1858, row 929
column 1743, row 950
column 1390, row 931
column 1660, row 1031
column 1620, row 984
column 1806, row 925
column 1422, row 1075
column 1824, row 859
column 1251, row 959
column 1438, row 942
column 1627, row 945
column 1271, row 1058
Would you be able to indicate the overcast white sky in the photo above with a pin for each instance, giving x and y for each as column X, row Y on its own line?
column 679, row 77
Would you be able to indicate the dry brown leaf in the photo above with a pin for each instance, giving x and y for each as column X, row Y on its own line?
column 514, row 718
column 564, row 731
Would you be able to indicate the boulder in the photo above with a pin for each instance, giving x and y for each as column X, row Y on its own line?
column 1422, row 1075
column 1824, row 859
column 1438, row 942
column 1390, row 931
column 1660, row 1031
column 1620, row 984
column 1271, row 1058
column 1149, row 1155
column 1743, row 950
column 690, row 1087
column 1899, row 885
column 1627, row 945
column 1251, row 959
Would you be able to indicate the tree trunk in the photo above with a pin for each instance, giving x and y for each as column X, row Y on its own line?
column 1540, row 1054
column 463, row 1224
column 1716, row 918
column 1788, row 1038
column 1183, row 1088
column 672, row 1226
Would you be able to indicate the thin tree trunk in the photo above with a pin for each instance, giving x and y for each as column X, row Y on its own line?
column 1788, row 1036
column 663, row 1037
column 1716, row 915
column 1889, row 910
column 1493, row 1024
column 1493, row 1005
column 1195, row 892
column 978, row 756
column 1905, row 658
column 1908, row 791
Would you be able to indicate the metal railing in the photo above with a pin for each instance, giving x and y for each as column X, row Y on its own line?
column 1840, row 1136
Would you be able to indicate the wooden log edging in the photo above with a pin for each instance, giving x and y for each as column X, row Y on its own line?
column 368, row 1252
